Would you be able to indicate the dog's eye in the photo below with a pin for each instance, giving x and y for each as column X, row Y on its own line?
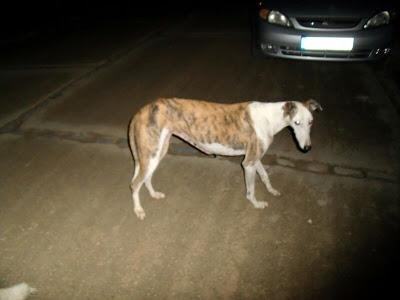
column 297, row 122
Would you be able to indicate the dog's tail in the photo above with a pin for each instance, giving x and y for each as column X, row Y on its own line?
column 131, row 138
column 132, row 144
column 134, row 126
column 19, row 291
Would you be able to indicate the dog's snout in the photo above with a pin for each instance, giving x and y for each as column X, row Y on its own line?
column 307, row 148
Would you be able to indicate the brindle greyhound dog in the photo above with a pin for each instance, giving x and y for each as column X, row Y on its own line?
column 244, row 128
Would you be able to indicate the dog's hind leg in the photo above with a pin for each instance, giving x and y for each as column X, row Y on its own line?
column 265, row 178
column 136, row 184
column 162, row 150
column 146, row 155
column 148, row 162
column 138, row 177
column 153, row 193
column 154, row 162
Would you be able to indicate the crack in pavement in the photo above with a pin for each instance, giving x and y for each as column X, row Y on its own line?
column 181, row 148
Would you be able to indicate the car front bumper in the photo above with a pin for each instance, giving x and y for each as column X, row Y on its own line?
column 277, row 41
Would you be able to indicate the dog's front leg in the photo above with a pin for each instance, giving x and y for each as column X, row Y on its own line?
column 250, row 176
column 265, row 178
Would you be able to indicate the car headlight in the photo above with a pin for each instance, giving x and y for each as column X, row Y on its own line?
column 275, row 17
column 380, row 19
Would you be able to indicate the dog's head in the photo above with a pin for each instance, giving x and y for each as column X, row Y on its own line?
column 301, row 120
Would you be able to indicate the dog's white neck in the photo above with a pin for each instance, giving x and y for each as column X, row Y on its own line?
column 268, row 120
column 269, row 115
column 275, row 116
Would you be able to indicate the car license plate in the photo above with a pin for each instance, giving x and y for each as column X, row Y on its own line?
column 327, row 43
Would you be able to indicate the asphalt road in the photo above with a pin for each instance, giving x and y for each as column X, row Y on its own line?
column 66, row 221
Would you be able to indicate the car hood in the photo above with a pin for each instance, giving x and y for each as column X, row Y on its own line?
column 313, row 8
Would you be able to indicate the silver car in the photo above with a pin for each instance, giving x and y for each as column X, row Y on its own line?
column 318, row 30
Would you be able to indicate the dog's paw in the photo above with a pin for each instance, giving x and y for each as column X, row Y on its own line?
column 158, row 195
column 274, row 192
column 261, row 204
column 140, row 213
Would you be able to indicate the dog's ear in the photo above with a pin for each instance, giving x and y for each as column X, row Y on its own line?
column 289, row 109
column 312, row 105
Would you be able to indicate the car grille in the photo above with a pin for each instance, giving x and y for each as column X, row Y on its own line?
column 326, row 54
column 328, row 23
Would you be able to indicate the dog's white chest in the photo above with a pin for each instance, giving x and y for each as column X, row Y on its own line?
column 219, row 149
